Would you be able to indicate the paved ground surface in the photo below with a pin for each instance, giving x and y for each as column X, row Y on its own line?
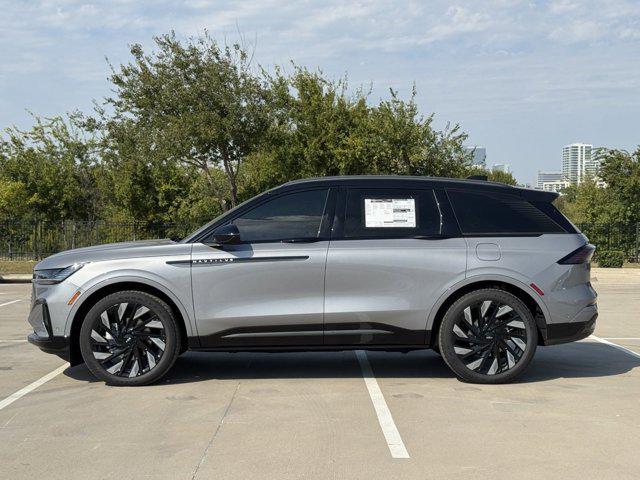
column 574, row 415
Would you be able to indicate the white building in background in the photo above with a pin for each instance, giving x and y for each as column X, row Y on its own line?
column 555, row 186
column 501, row 167
column 579, row 163
column 478, row 155
column 548, row 177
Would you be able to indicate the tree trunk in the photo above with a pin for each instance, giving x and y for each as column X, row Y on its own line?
column 212, row 185
column 231, row 175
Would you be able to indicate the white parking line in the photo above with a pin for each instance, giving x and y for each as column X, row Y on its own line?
column 615, row 345
column 9, row 303
column 12, row 341
column 621, row 338
column 389, row 429
column 32, row 386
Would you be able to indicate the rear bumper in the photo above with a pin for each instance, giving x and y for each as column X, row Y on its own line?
column 581, row 327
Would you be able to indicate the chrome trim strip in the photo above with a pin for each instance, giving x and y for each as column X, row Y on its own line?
column 302, row 333
column 226, row 260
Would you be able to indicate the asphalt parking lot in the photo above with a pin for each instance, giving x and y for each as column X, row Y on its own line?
column 574, row 414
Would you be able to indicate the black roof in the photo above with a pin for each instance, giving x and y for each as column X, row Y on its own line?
column 393, row 181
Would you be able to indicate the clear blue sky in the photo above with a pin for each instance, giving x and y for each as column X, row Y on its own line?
column 523, row 78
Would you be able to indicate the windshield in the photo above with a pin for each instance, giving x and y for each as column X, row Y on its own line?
column 189, row 238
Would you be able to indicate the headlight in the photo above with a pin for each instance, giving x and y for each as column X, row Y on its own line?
column 55, row 275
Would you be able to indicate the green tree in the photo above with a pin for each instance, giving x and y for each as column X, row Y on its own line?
column 586, row 203
column 197, row 103
column 319, row 129
column 617, row 202
column 493, row 175
column 620, row 170
column 54, row 162
column 14, row 201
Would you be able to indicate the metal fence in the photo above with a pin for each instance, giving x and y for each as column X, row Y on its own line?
column 36, row 240
column 622, row 237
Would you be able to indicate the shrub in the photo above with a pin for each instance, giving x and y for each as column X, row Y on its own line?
column 610, row 258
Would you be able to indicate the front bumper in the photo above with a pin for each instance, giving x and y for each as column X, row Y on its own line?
column 42, row 336
column 57, row 345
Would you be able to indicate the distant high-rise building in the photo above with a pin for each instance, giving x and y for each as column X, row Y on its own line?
column 478, row 155
column 501, row 167
column 579, row 163
column 554, row 186
column 547, row 177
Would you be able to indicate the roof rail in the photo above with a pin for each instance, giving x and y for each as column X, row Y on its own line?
column 478, row 177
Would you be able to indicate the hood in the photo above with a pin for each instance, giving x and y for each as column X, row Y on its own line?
column 112, row 251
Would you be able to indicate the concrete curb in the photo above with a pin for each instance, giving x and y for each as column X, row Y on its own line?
column 16, row 278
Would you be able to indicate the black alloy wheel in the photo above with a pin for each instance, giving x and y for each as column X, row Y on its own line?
column 129, row 338
column 488, row 336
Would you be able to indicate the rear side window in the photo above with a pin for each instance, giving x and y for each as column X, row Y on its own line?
column 500, row 214
column 391, row 213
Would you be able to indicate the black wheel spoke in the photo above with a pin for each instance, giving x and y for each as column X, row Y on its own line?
column 476, row 350
column 143, row 323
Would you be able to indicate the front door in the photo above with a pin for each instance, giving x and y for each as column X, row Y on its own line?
column 269, row 289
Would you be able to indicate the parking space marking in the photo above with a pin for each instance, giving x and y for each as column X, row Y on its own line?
column 32, row 386
column 615, row 345
column 12, row 341
column 11, row 302
column 389, row 429
column 621, row 338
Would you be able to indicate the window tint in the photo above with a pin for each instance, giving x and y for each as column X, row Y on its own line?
column 494, row 213
column 296, row 215
column 391, row 213
column 554, row 214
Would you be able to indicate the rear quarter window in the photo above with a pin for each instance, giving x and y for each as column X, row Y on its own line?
column 488, row 213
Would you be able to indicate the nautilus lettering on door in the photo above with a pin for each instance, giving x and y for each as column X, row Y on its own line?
column 222, row 261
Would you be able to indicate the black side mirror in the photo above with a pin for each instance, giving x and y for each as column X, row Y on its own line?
column 227, row 235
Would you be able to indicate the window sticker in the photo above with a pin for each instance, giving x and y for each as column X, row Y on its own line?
column 390, row 212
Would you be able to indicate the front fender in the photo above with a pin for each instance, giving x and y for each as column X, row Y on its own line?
column 184, row 305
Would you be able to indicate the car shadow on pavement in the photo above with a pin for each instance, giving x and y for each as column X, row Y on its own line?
column 576, row 360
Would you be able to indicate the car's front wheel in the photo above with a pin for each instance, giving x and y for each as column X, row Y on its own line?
column 488, row 336
column 129, row 338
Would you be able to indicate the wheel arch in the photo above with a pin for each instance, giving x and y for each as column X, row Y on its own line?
column 98, row 292
column 523, row 292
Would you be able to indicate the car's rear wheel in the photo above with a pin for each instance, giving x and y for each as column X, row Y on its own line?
column 129, row 338
column 488, row 336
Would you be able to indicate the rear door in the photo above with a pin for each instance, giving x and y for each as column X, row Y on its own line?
column 392, row 253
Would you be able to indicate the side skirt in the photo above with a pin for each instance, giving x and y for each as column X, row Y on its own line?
column 345, row 336
column 313, row 348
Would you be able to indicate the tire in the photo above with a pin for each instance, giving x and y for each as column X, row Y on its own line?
column 488, row 336
column 129, row 338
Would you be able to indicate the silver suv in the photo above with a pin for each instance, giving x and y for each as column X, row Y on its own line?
column 482, row 273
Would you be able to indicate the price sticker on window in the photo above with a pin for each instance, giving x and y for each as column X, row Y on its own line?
column 390, row 212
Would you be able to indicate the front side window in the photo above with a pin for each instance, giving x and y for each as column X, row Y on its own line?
column 293, row 216
column 391, row 213
column 501, row 214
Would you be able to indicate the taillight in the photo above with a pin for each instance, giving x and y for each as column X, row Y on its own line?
column 580, row 255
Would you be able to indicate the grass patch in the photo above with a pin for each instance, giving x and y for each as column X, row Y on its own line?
column 16, row 266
